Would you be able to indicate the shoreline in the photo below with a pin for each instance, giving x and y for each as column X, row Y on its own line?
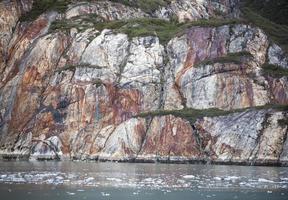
column 154, row 160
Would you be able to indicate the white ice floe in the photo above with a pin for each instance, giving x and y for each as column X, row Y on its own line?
column 59, row 177
column 217, row 178
column 163, row 182
column 70, row 193
column 231, row 178
column 87, row 180
column 105, row 194
column 148, row 179
column 265, row 180
column 114, row 179
column 189, row 176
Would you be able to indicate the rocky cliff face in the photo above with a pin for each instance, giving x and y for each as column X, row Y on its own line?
column 72, row 89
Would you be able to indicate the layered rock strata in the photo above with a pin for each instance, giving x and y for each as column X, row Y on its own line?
column 102, row 95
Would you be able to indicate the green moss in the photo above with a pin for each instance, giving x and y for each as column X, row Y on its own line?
column 193, row 114
column 274, row 71
column 41, row 6
column 236, row 58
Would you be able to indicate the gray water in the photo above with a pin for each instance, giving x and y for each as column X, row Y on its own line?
column 121, row 181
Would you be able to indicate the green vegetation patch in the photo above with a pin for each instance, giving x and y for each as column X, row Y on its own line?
column 236, row 58
column 41, row 6
column 193, row 114
column 274, row 70
column 163, row 29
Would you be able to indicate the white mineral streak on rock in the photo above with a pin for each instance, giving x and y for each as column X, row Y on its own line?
column 143, row 70
column 125, row 141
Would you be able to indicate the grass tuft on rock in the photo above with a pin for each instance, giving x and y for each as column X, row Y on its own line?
column 236, row 58
column 192, row 115
column 274, row 70
column 163, row 29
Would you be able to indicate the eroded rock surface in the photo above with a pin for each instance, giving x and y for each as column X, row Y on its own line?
column 102, row 94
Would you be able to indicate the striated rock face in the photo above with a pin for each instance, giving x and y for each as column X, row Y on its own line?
column 255, row 136
column 102, row 94
column 182, row 10
column 104, row 9
column 10, row 12
column 207, row 82
column 177, row 139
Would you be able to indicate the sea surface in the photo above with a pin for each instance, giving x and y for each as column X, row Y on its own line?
column 52, row 180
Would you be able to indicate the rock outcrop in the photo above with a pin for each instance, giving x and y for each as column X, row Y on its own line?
column 99, row 93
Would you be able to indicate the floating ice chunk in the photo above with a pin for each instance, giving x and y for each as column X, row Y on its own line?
column 114, row 179
column 59, row 177
column 269, row 191
column 3, row 176
column 49, row 181
column 18, row 180
column 217, row 178
column 181, row 181
column 70, row 193
column 105, row 194
column 188, row 176
column 159, row 181
column 89, row 179
column 265, row 180
column 148, row 180
column 231, row 178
